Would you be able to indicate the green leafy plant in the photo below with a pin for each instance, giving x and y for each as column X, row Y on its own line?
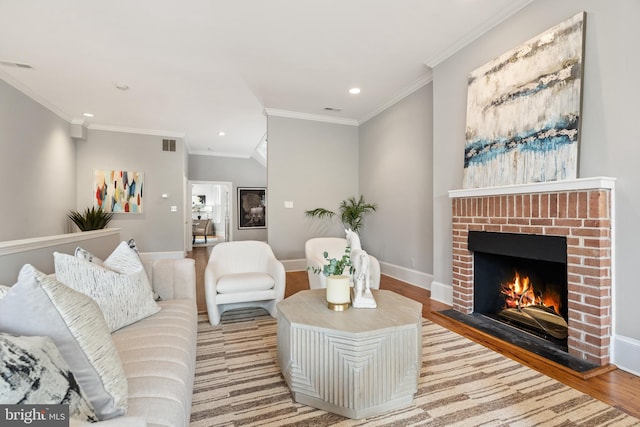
column 335, row 266
column 352, row 212
column 90, row 219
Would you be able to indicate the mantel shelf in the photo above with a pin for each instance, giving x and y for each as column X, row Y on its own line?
column 600, row 182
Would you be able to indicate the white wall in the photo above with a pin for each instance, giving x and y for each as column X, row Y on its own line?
column 157, row 229
column 37, row 168
column 241, row 173
column 396, row 158
column 609, row 140
column 313, row 164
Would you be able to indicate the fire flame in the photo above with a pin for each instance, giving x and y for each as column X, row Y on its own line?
column 520, row 292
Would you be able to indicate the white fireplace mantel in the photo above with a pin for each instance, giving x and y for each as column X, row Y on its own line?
column 600, row 182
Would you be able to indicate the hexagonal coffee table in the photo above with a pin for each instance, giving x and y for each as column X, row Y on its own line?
column 355, row 363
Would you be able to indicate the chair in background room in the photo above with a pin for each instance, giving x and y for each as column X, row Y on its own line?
column 334, row 246
column 201, row 227
column 242, row 274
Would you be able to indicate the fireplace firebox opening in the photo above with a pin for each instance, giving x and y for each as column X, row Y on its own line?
column 521, row 280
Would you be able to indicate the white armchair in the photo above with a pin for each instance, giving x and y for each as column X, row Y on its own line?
column 334, row 246
column 242, row 274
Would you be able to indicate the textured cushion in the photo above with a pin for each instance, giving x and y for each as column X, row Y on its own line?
column 244, row 282
column 39, row 305
column 88, row 256
column 124, row 296
column 126, row 259
column 32, row 371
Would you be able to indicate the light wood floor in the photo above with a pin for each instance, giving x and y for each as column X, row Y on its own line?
column 613, row 386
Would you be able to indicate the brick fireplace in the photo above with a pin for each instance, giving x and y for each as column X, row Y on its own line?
column 580, row 210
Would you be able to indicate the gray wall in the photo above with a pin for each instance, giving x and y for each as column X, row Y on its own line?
column 313, row 164
column 396, row 157
column 37, row 168
column 157, row 229
column 241, row 173
column 609, row 142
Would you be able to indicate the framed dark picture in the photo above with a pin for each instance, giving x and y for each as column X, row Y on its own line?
column 252, row 208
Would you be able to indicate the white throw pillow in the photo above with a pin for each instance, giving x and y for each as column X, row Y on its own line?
column 32, row 371
column 39, row 305
column 120, row 288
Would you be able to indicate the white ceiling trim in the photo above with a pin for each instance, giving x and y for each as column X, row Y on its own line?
column 33, row 95
column 307, row 116
column 422, row 81
column 476, row 32
column 154, row 132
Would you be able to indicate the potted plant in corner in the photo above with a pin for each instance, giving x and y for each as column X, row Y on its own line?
column 352, row 212
column 91, row 218
column 338, row 287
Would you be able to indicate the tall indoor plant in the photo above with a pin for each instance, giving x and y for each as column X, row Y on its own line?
column 352, row 212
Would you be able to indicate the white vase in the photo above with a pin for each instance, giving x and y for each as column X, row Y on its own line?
column 338, row 293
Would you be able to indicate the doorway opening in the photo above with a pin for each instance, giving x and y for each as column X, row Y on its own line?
column 209, row 210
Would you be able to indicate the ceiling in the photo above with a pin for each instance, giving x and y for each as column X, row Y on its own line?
column 199, row 67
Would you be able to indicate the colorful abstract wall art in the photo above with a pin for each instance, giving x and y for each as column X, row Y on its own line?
column 119, row 191
column 523, row 111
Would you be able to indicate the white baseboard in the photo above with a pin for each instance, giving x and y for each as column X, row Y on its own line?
column 442, row 292
column 626, row 354
column 413, row 277
column 148, row 256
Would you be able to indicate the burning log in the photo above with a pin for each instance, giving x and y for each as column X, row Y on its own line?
column 531, row 310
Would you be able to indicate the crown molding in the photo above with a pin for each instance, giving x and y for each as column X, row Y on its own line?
column 122, row 129
column 33, row 95
column 307, row 116
column 422, row 81
column 476, row 32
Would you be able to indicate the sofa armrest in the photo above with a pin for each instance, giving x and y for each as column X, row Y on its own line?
column 124, row 421
column 172, row 278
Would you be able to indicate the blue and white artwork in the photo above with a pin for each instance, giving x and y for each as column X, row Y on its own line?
column 523, row 111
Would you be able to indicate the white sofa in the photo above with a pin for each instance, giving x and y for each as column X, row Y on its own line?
column 157, row 353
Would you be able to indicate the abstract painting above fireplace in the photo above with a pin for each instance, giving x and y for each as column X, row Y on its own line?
column 523, row 111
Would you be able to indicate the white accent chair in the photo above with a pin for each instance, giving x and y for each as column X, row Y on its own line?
column 334, row 246
column 242, row 274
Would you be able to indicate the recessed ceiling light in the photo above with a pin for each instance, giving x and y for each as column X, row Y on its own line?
column 87, row 114
column 122, row 86
column 221, row 133
column 354, row 90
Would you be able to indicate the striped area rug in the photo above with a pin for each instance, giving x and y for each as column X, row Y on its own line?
column 238, row 383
